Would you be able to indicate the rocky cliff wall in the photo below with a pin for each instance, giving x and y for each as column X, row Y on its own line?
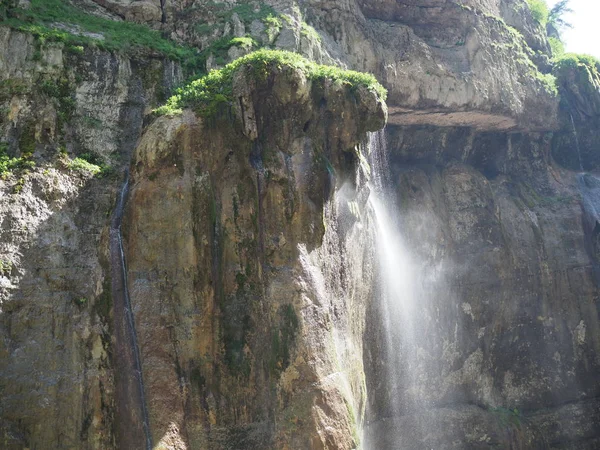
column 56, row 372
column 250, row 340
column 508, row 354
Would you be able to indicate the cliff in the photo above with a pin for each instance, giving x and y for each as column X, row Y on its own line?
column 250, row 239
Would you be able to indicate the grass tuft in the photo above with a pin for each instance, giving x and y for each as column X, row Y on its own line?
column 205, row 95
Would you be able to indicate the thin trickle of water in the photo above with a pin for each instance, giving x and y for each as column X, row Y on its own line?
column 117, row 238
column 576, row 142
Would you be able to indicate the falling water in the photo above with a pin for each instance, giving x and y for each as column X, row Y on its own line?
column 404, row 339
column 123, row 304
column 576, row 143
column 396, row 277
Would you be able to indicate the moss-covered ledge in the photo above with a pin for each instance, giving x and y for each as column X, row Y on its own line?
column 218, row 90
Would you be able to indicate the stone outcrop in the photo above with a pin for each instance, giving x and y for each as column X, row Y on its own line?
column 576, row 144
column 447, row 63
column 236, row 343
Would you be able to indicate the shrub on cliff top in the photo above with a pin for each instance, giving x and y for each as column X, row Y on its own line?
column 206, row 94
column 574, row 60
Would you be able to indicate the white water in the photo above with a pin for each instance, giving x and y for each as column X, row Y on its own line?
column 576, row 143
column 364, row 259
column 399, row 291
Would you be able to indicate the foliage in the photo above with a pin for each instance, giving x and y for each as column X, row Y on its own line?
column 87, row 163
column 6, row 267
column 283, row 338
column 539, row 11
column 556, row 21
column 205, row 95
column 310, row 32
column 12, row 86
column 83, row 166
column 508, row 417
column 548, row 82
column 60, row 21
column 574, row 61
column 557, row 46
column 9, row 165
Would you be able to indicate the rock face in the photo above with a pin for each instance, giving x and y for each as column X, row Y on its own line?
column 448, row 63
column 576, row 145
column 250, row 242
column 509, row 323
column 56, row 373
column 236, row 343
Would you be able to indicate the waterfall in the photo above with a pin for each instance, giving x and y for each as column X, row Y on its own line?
column 403, row 349
column 129, row 353
column 576, row 143
column 395, row 277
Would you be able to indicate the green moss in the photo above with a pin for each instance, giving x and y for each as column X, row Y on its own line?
column 557, row 47
column 11, row 87
column 27, row 141
column 245, row 42
column 207, row 94
column 82, row 166
column 246, row 12
column 62, row 92
column 309, row 32
column 577, row 61
column 548, row 82
column 123, row 36
column 282, row 339
column 87, row 163
column 273, row 24
column 508, row 417
column 580, row 73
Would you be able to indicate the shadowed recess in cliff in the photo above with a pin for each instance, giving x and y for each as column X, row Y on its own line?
column 132, row 411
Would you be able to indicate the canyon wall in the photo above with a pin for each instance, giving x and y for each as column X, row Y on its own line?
column 249, row 240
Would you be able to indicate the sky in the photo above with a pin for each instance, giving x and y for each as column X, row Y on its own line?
column 584, row 37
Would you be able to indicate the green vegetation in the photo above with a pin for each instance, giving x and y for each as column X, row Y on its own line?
column 508, row 417
column 246, row 12
column 310, row 32
column 87, row 163
column 557, row 46
column 12, row 86
column 82, row 166
column 59, row 21
column 207, row 94
column 9, row 165
column 575, row 61
column 283, row 338
column 61, row 91
column 548, row 81
column 5, row 267
column 539, row 11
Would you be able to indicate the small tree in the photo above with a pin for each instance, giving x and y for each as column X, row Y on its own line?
column 556, row 19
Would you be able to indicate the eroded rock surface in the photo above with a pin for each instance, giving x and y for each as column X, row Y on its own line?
column 238, row 347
